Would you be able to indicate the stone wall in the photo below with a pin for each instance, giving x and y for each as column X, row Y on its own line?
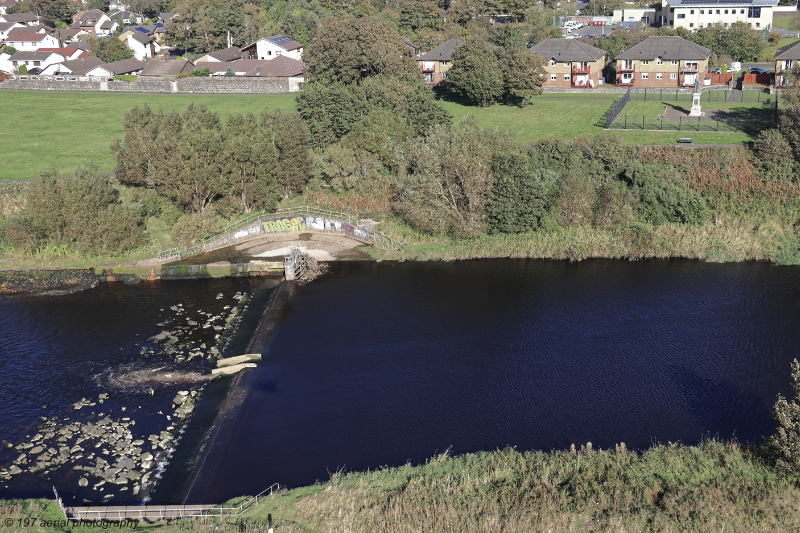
column 219, row 84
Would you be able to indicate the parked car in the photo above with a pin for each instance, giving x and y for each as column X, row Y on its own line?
column 717, row 70
column 735, row 67
column 758, row 70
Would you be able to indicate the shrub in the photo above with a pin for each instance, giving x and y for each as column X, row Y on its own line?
column 521, row 195
column 786, row 441
column 191, row 229
column 663, row 196
column 202, row 72
column 774, row 37
column 774, row 155
column 229, row 72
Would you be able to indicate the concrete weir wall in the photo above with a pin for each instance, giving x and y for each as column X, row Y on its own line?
column 221, row 269
column 217, row 84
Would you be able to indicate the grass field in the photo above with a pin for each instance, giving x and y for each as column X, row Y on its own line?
column 41, row 130
column 787, row 23
column 65, row 130
column 769, row 50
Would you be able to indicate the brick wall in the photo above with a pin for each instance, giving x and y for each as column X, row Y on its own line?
column 219, row 84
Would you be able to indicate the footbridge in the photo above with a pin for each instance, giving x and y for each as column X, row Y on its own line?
column 303, row 219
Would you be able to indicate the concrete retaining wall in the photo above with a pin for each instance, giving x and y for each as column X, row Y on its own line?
column 220, row 84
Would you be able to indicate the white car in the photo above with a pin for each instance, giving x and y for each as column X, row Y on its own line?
column 735, row 67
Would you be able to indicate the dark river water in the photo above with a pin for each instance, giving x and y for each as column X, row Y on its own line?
column 382, row 363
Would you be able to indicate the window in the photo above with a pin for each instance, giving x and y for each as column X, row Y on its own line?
column 726, row 11
column 659, row 76
column 691, row 11
column 645, row 76
column 725, row 25
column 700, row 25
column 691, row 24
column 754, row 12
column 645, row 62
column 566, row 77
column 659, row 61
column 553, row 77
column 681, row 16
column 717, row 11
column 702, row 11
column 444, row 75
column 444, row 63
column 674, row 61
column 741, row 11
column 37, row 63
column 566, row 64
column 758, row 24
column 553, row 63
column 269, row 52
column 673, row 76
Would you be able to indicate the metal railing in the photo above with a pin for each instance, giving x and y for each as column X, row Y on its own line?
column 167, row 512
column 226, row 237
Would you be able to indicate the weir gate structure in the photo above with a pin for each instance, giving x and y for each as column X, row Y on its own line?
column 303, row 219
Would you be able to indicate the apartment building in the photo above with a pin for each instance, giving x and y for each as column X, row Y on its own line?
column 570, row 63
column 662, row 62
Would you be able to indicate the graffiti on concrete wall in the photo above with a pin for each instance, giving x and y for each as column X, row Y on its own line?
column 284, row 225
column 293, row 224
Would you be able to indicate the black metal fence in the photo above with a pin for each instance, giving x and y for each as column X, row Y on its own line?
column 674, row 95
column 640, row 122
column 617, row 109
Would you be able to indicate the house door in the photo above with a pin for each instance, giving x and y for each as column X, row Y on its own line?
column 689, row 80
column 627, row 77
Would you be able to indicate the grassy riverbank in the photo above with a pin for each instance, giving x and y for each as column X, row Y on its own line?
column 711, row 487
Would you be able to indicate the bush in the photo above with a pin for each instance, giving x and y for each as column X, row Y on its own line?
column 663, row 196
column 774, row 37
column 786, row 442
column 202, row 72
column 774, row 155
column 229, row 72
column 83, row 211
column 189, row 230
column 521, row 196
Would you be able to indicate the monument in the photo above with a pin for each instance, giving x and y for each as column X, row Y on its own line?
column 695, row 111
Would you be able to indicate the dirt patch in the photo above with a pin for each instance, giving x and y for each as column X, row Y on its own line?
column 229, row 254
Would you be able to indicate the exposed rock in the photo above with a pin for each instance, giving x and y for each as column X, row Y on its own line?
column 83, row 482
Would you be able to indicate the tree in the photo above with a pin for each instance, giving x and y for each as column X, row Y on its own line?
column 350, row 50
column 738, row 40
column 475, row 73
column 102, row 5
column 448, row 177
column 109, row 49
column 786, row 441
column 62, row 10
column 290, row 137
column 252, row 160
column 203, row 72
column 523, row 75
column 23, row 70
column 229, row 72
column 521, row 195
column 774, row 155
column 10, row 50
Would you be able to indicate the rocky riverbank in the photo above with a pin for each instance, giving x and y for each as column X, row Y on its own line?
column 52, row 282
column 101, row 444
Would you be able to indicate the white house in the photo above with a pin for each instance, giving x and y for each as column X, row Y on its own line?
column 87, row 66
column 38, row 60
column 95, row 22
column 30, row 41
column 272, row 47
column 143, row 46
column 5, row 4
column 696, row 14
column 127, row 17
column 6, row 27
column 5, row 63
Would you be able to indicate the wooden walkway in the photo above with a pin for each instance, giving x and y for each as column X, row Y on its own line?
column 145, row 512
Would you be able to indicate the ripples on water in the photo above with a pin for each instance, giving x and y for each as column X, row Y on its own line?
column 379, row 364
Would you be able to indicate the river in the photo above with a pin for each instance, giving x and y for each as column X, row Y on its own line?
column 383, row 363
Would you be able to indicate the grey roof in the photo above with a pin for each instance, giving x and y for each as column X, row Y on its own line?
column 141, row 37
column 721, row 3
column 670, row 48
column 443, row 52
column 32, row 56
column 83, row 65
column 106, row 25
column 157, row 67
column 22, row 35
column 790, row 51
column 123, row 15
column 165, row 16
column 125, row 66
column 280, row 67
column 567, row 50
column 284, row 42
column 21, row 17
column 6, row 25
column 228, row 54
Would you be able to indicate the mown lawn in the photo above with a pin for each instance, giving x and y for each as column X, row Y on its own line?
column 567, row 119
column 787, row 23
column 39, row 131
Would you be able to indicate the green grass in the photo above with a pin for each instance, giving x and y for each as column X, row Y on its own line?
column 787, row 23
column 579, row 96
column 710, row 487
column 769, row 50
column 39, row 131
column 553, row 119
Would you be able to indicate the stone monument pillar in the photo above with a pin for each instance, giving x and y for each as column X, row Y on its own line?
column 695, row 111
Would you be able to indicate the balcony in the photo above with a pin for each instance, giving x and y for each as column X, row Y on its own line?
column 581, row 70
column 689, row 69
column 427, row 66
column 627, row 67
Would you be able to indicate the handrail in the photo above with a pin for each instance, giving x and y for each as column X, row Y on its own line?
column 143, row 513
column 213, row 242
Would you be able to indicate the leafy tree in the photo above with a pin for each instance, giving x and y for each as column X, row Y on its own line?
column 62, row 10
column 193, row 28
column 786, row 441
column 229, row 72
column 521, row 195
column 290, row 137
column 738, row 40
column 83, row 211
column 109, row 49
column 663, row 196
column 448, row 177
column 23, row 70
column 774, row 155
column 351, row 50
column 10, row 50
column 331, row 111
column 475, row 73
column 102, row 5
column 523, row 74
column 251, row 161
column 383, row 134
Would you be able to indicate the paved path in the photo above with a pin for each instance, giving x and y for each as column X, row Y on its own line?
column 137, row 512
column 735, row 95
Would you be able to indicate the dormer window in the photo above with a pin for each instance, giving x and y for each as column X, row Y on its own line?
column 553, row 63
